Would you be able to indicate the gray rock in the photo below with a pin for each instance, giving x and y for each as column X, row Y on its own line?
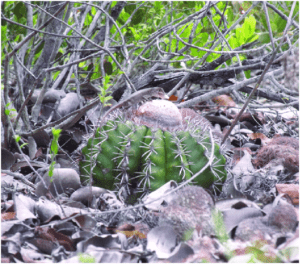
column 190, row 209
column 64, row 180
column 83, row 194
column 284, row 217
column 255, row 229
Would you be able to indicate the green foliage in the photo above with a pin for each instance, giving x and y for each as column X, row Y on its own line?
column 3, row 41
column 219, row 225
column 136, row 36
column 54, row 149
column 54, row 144
column 138, row 16
column 259, row 255
column 86, row 258
column 20, row 10
column 17, row 138
column 103, row 96
column 39, row 48
column 9, row 111
column 3, row 34
column 55, row 75
column 188, row 234
column 23, row 145
column 254, row 253
column 17, row 12
column 244, row 34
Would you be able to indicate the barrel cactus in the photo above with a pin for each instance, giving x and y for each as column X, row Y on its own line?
column 148, row 147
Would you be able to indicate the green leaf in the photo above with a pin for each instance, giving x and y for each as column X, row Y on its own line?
column 249, row 27
column 157, row 6
column 93, row 11
column 136, row 36
column 106, row 82
column 264, row 38
column 20, row 10
column 56, row 133
column 248, row 74
column 219, row 225
column 194, row 52
column 138, row 16
column 23, row 145
column 124, row 16
column 51, row 169
column 88, row 20
column 199, row 5
column 55, row 75
column 3, row 34
column 240, row 36
column 187, row 31
column 7, row 112
column 82, row 64
column 281, row 24
column 54, row 147
column 17, row 138
column 106, row 99
column 86, row 258
column 233, row 42
column 204, row 38
column 129, row 8
column 230, row 16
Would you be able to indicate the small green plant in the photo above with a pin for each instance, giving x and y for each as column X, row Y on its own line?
column 54, row 149
column 17, row 139
column 86, row 258
column 258, row 254
column 255, row 253
column 188, row 234
column 104, row 95
column 219, row 225
column 221, row 232
column 9, row 112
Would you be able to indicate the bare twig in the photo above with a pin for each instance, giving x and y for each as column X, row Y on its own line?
column 225, row 90
column 20, row 177
column 79, row 113
column 37, row 30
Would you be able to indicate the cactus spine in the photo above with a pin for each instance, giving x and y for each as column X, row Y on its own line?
column 130, row 155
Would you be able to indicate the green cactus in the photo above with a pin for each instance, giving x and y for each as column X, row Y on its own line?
column 129, row 155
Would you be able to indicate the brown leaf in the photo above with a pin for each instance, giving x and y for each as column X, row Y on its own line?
column 291, row 189
column 52, row 235
column 8, row 216
column 224, row 100
column 239, row 153
column 263, row 138
column 173, row 98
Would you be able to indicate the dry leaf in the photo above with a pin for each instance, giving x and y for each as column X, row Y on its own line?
column 291, row 189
